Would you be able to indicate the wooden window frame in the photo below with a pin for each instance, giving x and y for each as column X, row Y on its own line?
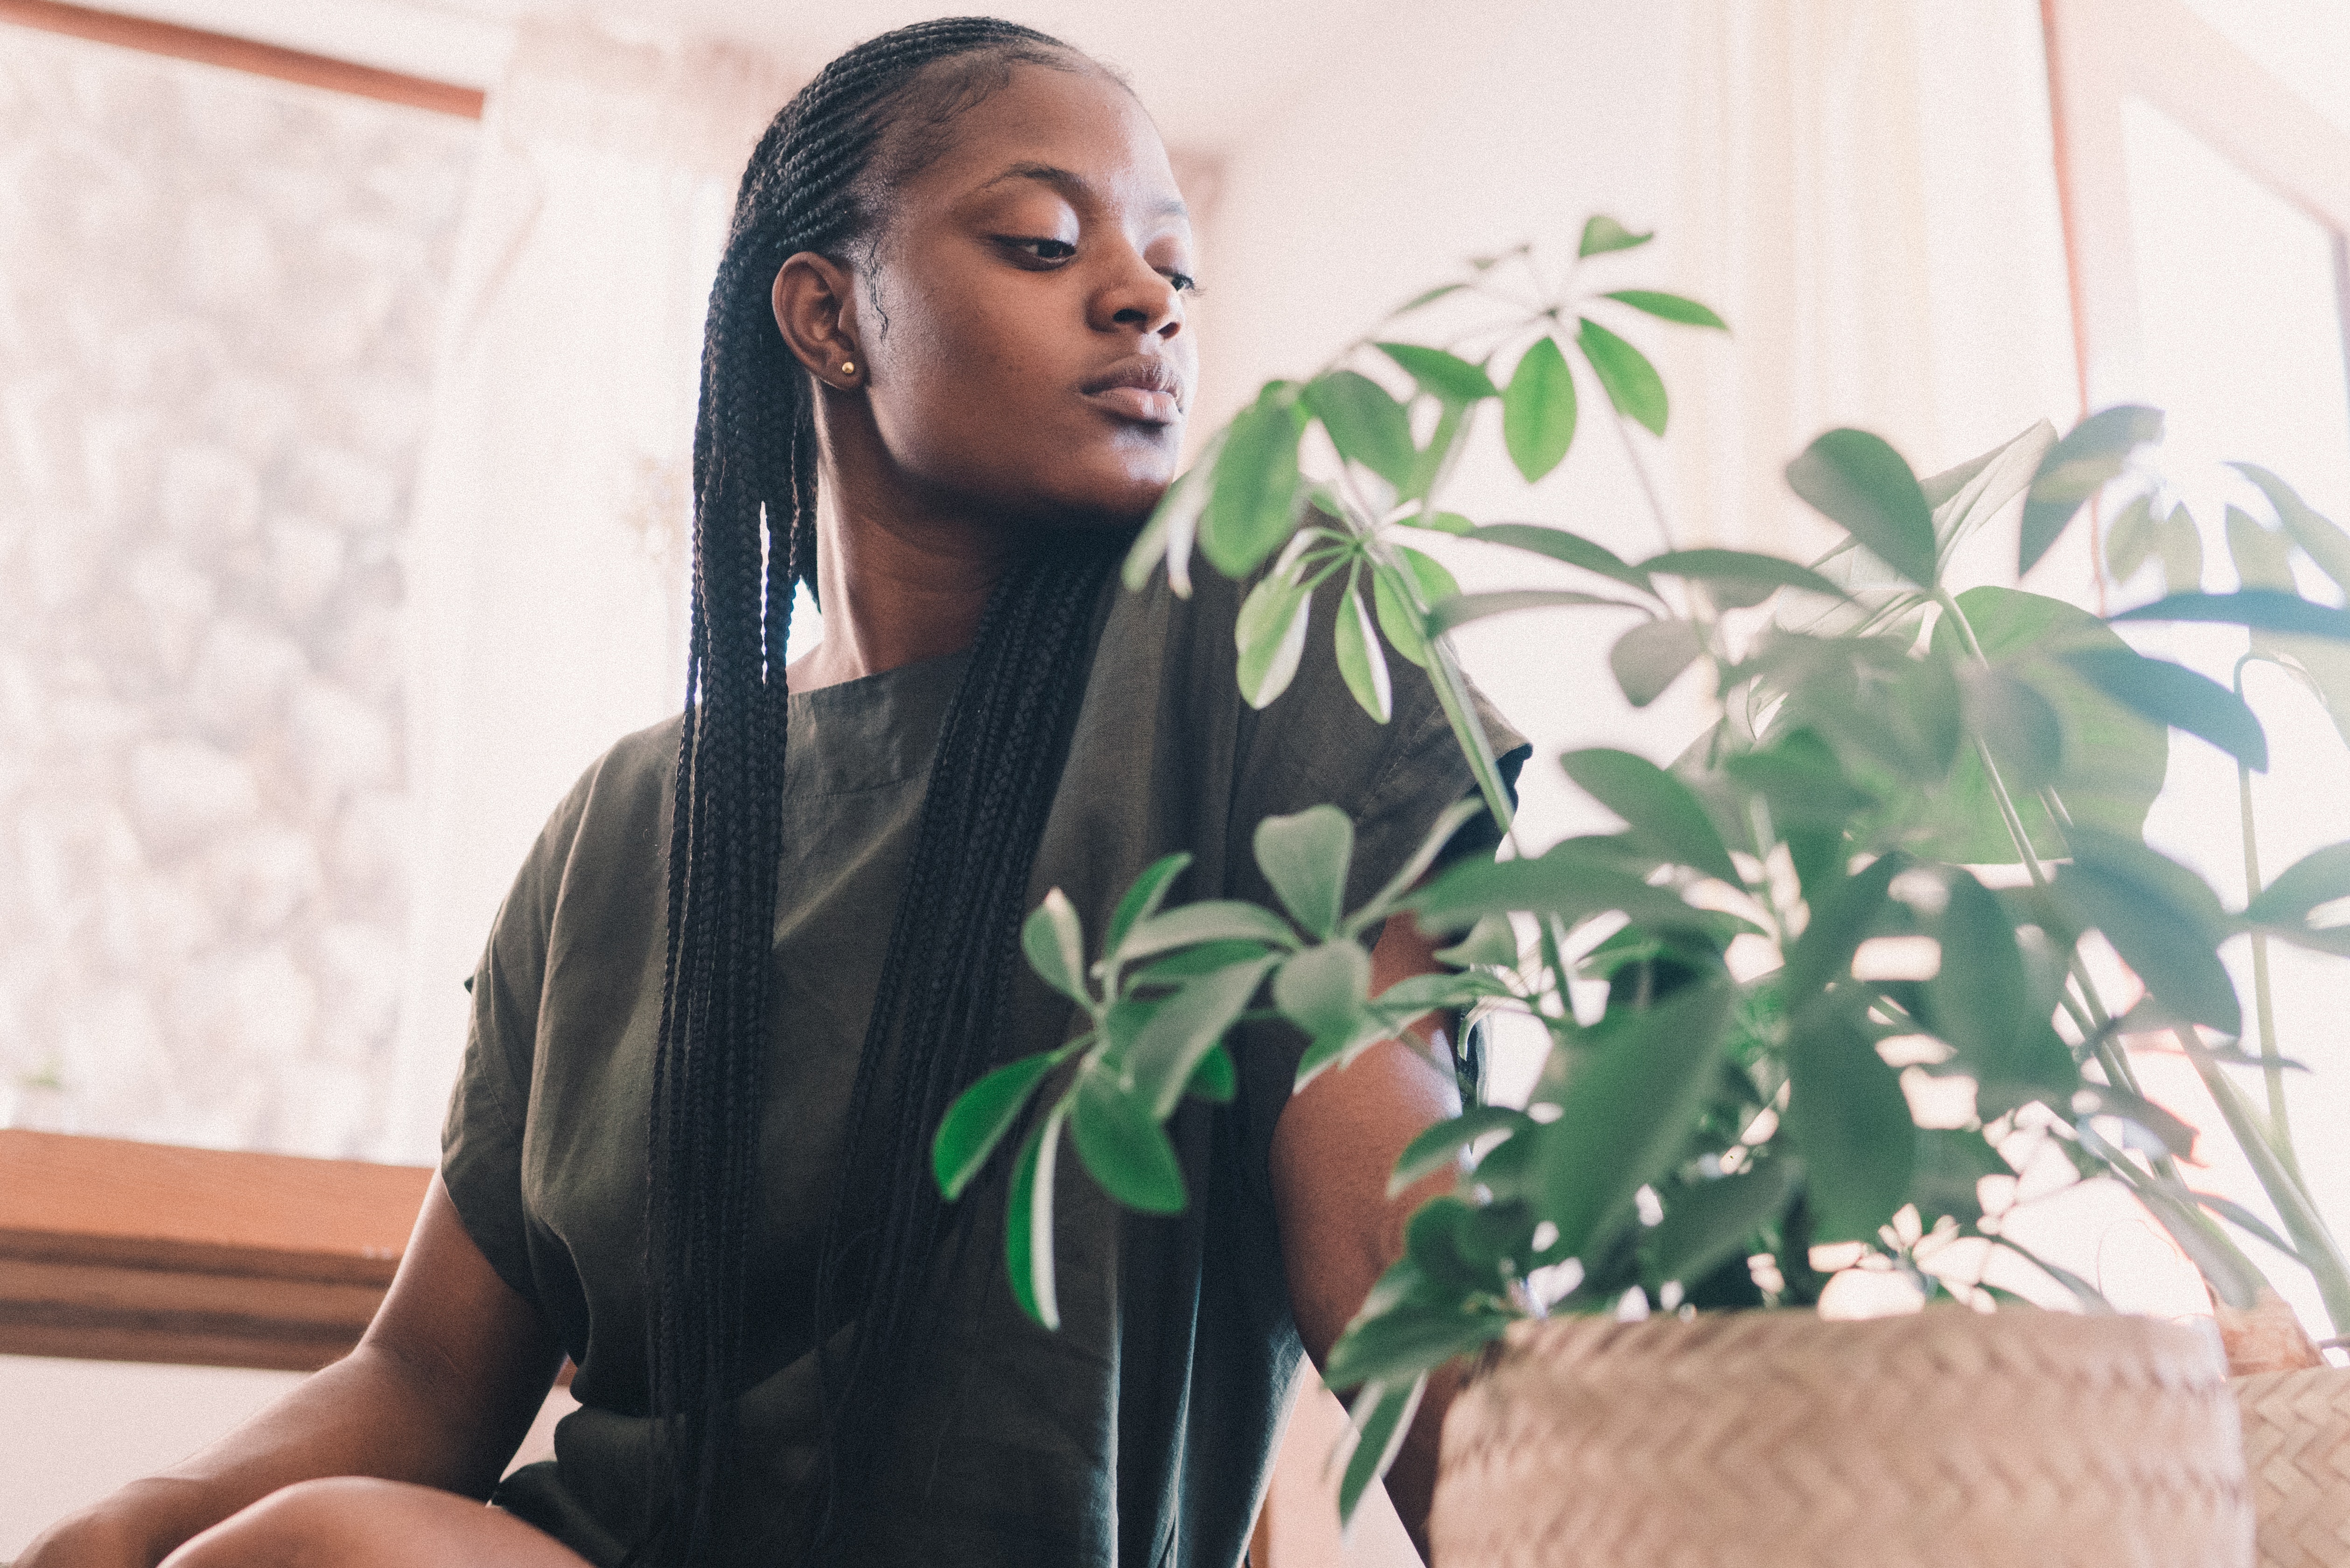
column 244, row 55
column 2100, row 54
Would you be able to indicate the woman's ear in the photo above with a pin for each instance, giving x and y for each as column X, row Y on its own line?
column 815, row 303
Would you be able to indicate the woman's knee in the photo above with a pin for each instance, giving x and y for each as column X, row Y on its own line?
column 310, row 1524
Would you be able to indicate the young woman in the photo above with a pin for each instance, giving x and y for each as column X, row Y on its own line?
column 758, row 949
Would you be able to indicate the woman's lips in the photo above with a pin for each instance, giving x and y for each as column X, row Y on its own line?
column 1141, row 404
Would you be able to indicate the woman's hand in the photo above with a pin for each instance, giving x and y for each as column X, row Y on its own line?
column 1337, row 1139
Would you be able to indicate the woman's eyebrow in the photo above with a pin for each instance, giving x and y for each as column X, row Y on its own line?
column 1073, row 185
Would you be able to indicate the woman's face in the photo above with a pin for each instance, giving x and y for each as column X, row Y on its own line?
column 1022, row 318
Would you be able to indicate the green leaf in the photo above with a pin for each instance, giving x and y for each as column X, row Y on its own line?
column 2021, row 726
column 1491, row 942
column 2266, row 609
column 1567, row 880
column 1364, row 423
column 1270, row 633
column 1978, row 997
column 1253, row 508
column 1381, row 1415
column 1659, row 807
column 1602, row 232
column 1165, row 1054
column 1463, row 609
column 1174, row 526
column 1396, row 618
column 1850, row 1121
column 1425, row 298
column 1572, row 548
column 1755, row 576
column 1304, row 857
column 1190, row 964
column 1123, row 1148
column 2130, row 538
column 1055, row 945
column 1970, row 496
column 1708, row 1222
column 1323, row 989
column 2113, row 761
column 1952, row 1164
column 2230, row 1279
column 1210, row 921
column 1798, row 778
column 1444, row 377
column 1839, row 923
column 2250, row 1223
column 979, row 1118
column 1440, row 1146
column 1668, row 307
column 1361, row 662
column 2174, row 695
column 1216, row 1079
column 1142, row 899
column 2319, row 538
column 2160, row 918
column 2165, row 1131
column 1650, row 657
column 1449, row 822
column 1629, row 1107
column 2091, row 455
column 1857, row 482
column 1028, row 1222
column 1632, row 384
column 2262, row 559
column 2318, row 878
column 1538, row 411
column 1450, row 523
column 2180, row 544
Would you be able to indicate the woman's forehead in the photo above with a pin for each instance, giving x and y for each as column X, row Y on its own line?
column 1076, row 130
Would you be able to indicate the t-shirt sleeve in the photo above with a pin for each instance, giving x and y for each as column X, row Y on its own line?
column 482, row 1136
column 1315, row 744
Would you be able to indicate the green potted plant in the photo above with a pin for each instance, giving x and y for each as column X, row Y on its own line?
column 1703, row 1146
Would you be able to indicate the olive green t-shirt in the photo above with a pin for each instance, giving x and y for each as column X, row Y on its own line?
column 1138, row 1435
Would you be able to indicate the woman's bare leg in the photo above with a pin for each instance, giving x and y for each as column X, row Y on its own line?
column 353, row 1522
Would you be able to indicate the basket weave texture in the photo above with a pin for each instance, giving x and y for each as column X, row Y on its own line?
column 2297, row 1451
column 1779, row 1440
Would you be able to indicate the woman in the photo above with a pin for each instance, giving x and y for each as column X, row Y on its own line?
column 689, row 1146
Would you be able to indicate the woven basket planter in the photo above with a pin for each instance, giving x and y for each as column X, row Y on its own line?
column 1778, row 1440
column 2297, row 1452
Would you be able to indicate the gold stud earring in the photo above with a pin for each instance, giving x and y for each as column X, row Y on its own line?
column 848, row 366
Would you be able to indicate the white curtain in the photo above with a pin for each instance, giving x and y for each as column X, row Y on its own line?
column 1867, row 194
column 548, row 577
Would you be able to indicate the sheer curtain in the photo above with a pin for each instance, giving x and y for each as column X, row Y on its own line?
column 1867, row 194
column 550, row 548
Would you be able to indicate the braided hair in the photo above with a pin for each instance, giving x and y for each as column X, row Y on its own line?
column 819, row 181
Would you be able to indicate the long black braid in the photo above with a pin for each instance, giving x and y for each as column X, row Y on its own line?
column 815, row 184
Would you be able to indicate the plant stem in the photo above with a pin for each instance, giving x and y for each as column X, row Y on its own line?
column 2263, row 1000
column 2310, row 1239
column 1647, row 485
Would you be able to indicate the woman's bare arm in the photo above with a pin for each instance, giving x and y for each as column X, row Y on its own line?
column 1335, row 1143
column 439, row 1392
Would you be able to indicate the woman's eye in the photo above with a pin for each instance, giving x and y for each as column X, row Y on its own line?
column 1183, row 283
column 1045, row 250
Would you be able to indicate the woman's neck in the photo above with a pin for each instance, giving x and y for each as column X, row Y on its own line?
column 901, row 581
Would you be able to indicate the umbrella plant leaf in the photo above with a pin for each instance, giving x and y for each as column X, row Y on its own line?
column 979, row 1118
column 1602, row 234
column 1251, row 508
column 1650, row 657
column 1631, row 382
column 2175, row 696
column 2319, row 538
column 1362, row 663
column 2092, row 454
column 1859, row 483
column 1659, row 807
column 1123, row 1147
column 1538, row 411
column 1364, row 423
column 1850, row 1121
column 1445, row 377
column 1304, row 857
column 1668, row 307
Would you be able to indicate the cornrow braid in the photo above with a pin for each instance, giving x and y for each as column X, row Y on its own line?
column 815, row 184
